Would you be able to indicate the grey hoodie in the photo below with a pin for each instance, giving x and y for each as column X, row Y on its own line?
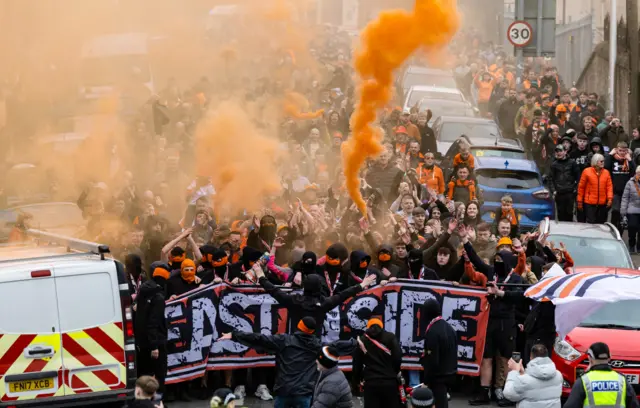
column 630, row 198
column 539, row 387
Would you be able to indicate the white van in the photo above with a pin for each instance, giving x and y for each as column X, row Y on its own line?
column 66, row 333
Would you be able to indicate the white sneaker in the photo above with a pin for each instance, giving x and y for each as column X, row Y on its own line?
column 263, row 393
column 240, row 393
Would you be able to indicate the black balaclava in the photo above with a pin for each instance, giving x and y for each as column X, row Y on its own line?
column 430, row 310
column 360, row 262
column 249, row 257
column 382, row 253
column 505, row 266
column 414, row 259
column 312, row 285
column 207, row 256
column 308, row 263
column 268, row 229
column 336, row 254
column 219, row 262
column 536, row 266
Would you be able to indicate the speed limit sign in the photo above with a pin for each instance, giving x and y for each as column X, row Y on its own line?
column 520, row 33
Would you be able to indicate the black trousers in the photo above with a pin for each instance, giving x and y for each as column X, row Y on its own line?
column 156, row 367
column 564, row 206
column 596, row 214
column 634, row 228
column 439, row 386
column 381, row 395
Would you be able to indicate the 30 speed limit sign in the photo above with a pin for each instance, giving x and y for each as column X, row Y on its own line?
column 520, row 33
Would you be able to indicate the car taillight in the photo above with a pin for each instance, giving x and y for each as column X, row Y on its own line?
column 128, row 323
column 543, row 194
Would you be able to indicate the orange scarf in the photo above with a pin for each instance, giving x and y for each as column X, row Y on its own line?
column 468, row 184
column 510, row 215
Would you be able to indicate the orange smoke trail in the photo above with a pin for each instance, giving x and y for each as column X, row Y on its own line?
column 295, row 104
column 386, row 43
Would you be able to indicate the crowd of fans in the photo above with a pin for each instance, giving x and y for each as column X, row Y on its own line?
column 421, row 223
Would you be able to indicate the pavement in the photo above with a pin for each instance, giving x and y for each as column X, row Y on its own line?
column 456, row 402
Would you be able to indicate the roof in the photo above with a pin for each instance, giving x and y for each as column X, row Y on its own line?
column 415, row 69
column 23, row 252
column 115, row 44
column 500, row 163
column 598, row 231
column 429, row 88
column 467, row 119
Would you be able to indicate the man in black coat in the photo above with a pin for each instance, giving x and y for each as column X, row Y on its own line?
column 151, row 329
column 440, row 358
column 622, row 168
column 564, row 175
column 507, row 114
column 311, row 302
column 377, row 361
column 296, row 371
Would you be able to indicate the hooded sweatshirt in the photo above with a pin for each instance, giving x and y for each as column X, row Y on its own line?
column 500, row 272
column 379, row 366
column 539, row 387
column 386, row 251
column 360, row 264
column 311, row 302
column 440, row 356
column 336, row 271
column 150, row 326
column 417, row 269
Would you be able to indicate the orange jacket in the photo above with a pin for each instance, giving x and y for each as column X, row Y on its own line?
column 484, row 88
column 594, row 188
column 433, row 178
column 475, row 278
column 470, row 162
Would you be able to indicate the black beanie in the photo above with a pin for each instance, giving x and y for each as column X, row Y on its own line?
column 421, row 397
column 338, row 251
column 312, row 284
column 328, row 357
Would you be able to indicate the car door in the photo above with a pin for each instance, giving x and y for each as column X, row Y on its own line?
column 30, row 340
column 91, row 327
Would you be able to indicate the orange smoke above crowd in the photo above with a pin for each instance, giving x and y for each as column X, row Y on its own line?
column 386, row 43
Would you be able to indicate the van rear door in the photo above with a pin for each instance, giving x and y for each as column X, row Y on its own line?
column 91, row 326
column 30, row 339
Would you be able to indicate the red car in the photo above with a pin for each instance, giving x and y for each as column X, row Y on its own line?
column 617, row 324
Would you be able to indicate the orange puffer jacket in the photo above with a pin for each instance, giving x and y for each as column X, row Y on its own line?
column 595, row 188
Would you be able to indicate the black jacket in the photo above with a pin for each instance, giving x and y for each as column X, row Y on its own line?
column 580, row 157
column 142, row 403
column 377, row 366
column 177, row 286
column 578, row 395
column 440, row 356
column 150, row 326
column 620, row 174
column 309, row 303
column 564, row 176
column 540, row 321
column 507, row 115
column 501, row 307
column 296, row 371
column 452, row 270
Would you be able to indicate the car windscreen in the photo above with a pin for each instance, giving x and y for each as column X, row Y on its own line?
column 451, row 131
column 416, row 96
column 414, row 78
column 594, row 251
column 115, row 69
column 488, row 152
column 509, row 179
column 615, row 315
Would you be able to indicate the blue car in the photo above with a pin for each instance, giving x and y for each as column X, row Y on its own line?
column 520, row 178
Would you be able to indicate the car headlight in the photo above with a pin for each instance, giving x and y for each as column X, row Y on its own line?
column 566, row 350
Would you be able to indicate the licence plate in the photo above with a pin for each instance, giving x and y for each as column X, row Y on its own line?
column 31, row 385
column 632, row 378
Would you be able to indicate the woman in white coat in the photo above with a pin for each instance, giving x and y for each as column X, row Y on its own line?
column 537, row 386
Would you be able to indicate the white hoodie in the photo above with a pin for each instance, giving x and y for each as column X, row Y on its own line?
column 539, row 387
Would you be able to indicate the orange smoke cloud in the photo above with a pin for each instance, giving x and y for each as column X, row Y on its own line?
column 296, row 105
column 386, row 43
column 239, row 158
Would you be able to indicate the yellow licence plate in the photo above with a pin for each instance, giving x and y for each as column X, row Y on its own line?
column 31, row 385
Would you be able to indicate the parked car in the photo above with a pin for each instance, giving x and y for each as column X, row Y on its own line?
column 590, row 244
column 423, row 93
column 520, row 178
column 439, row 107
column 416, row 75
column 615, row 323
column 448, row 129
